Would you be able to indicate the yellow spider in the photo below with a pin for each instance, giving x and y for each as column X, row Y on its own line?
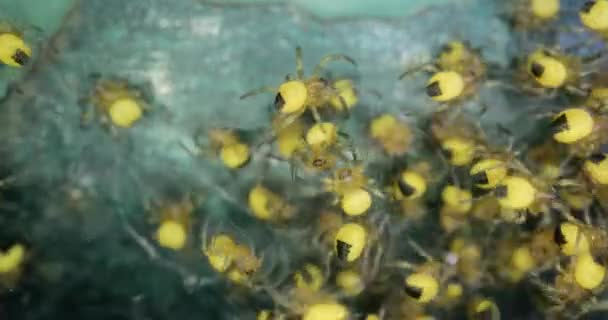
column 296, row 96
column 116, row 102
column 14, row 51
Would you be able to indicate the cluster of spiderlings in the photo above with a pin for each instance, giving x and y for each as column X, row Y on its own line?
column 500, row 216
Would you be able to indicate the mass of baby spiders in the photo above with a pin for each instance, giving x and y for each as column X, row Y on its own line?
column 498, row 216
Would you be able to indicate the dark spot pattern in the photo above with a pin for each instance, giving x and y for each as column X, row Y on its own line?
column 559, row 124
column 433, row 89
column 406, row 189
column 537, row 69
column 413, row 292
column 597, row 158
column 586, row 8
column 558, row 236
column 480, row 178
column 501, row 191
column 343, row 249
column 20, row 57
column 319, row 162
column 279, row 102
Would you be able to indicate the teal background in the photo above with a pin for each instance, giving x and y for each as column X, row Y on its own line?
column 345, row 8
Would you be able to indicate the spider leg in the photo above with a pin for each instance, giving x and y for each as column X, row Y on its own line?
column 299, row 63
column 254, row 92
column 204, row 232
column 316, row 115
column 87, row 116
column 344, row 104
column 419, row 250
column 422, row 67
column 331, row 58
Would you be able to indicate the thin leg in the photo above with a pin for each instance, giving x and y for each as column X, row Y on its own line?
column 365, row 263
column 271, row 136
column 375, row 93
column 293, row 170
column 316, row 115
column 268, row 139
column 145, row 107
column 383, row 224
column 594, row 58
column 445, row 106
column 423, row 67
column 353, row 152
column 287, row 121
column 505, row 132
column 518, row 165
column 564, row 164
column 264, row 167
column 350, row 147
column 87, row 116
column 282, row 270
column 375, row 192
column 382, row 313
column 265, row 89
column 402, row 265
column 331, row 58
column 419, row 250
column 7, row 180
column 261, row 259
column 113, row 131
column 194, row 153
column 595, row 306
column 500, row 84
column 577, row 91
column 587, row 73
column 204, row 233
column 148, row 248
column 545, row 115
column 299, row 63
column 242, row 232
column 554, row 50
column 278, row 298
column 483, row 108
column 266, row 275
column 376, row 106
column 573, row 29
column 344, row 104
column 564, row 211
column 328, row 259
column 376, row 265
